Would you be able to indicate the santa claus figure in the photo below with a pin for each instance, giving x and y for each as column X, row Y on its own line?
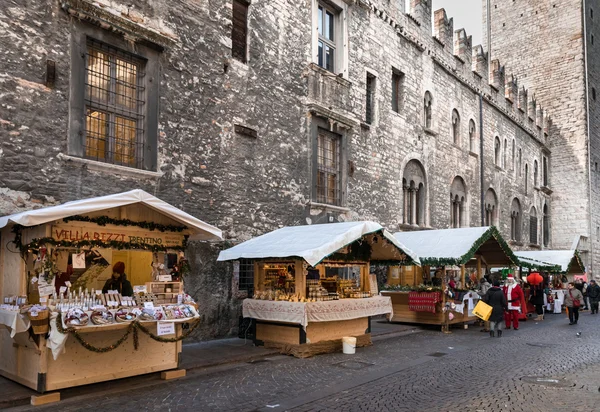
column 516, row 301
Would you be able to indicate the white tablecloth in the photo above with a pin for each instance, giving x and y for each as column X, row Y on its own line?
column 559, row 300
column 15, row 321
column 303, row 313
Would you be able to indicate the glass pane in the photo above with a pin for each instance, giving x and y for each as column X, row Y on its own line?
column 331, row 189
column 125, row 141
column 96, row 128
column 320, row 61
column 329, row 26
column 126, row 84
column 329, row 54
column 98, row 75
column 320, row 20
column 320, row 186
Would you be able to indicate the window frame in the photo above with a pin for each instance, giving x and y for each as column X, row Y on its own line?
column 455, row 124
column 371, row 91
column 339, row 9
column 241, row 57
column 428, row 110
column 80, row 33
column 397, row 85
column 320, row 125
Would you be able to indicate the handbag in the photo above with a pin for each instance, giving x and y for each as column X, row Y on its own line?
column 576, row 302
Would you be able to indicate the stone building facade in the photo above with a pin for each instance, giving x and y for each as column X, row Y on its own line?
column 257, row 115
column 562, row 64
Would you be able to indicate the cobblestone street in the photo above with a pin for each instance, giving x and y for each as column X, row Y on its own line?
column 540, row 367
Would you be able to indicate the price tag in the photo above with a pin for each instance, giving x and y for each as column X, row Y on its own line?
column 148, row 305
column 43, row 300
column 165, row 278
column 139, row 289
column 165, row 328
column 46, row 290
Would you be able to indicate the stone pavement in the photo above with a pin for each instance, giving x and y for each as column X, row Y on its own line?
column 209, row 356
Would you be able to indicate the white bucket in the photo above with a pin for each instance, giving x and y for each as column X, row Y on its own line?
column 349, row 345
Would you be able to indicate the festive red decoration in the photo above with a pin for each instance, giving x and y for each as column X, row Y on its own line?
column 535, row 278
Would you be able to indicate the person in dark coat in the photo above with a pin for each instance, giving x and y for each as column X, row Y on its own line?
column 497, row 300
column 118, row 281
column 593, row 293
column 536, row 298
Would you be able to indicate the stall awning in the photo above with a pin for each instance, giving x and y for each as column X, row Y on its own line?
column 446, row 247
column 563, row 261
column 198, row 229
column 316, row 242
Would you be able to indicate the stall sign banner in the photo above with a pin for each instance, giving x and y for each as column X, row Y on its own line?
column 46, row 290
column 165, row 278
column 79, row 233
column 165, row 328
column 79, row 260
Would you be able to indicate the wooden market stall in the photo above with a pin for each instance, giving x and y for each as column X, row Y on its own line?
column 418, row 296
column 76, row 245
column 312, row 284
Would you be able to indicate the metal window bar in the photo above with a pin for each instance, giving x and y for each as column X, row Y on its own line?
column 533, row 237
column 114, row 106
column 328, row 168
column 247, row 276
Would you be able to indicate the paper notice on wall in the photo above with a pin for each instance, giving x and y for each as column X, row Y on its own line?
column 46, row 290
column 395, row 272
column 79, row 260
column 165, row 328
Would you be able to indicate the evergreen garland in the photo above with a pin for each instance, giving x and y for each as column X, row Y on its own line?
column 105, row 220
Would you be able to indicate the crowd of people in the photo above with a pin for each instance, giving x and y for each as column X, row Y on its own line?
column 509, row 301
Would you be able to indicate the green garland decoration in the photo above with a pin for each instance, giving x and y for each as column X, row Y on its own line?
column 133, row 327
column 113, row 244
column 105, row 220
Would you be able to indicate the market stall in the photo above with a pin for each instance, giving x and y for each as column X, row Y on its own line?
column 92, row 290
column 313, row 286
column 560, row 267
column 452, row 260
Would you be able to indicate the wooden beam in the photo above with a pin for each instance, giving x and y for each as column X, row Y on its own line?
column 37, row 400
column 300, row 278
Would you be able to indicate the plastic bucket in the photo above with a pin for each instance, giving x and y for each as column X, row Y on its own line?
column 349, row 345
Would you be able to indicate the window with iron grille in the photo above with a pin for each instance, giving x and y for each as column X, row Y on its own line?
column 239, row 34
column 328, row 167
column 370, row 105
column 533, row 229
column 247, row 276
column 114, row 106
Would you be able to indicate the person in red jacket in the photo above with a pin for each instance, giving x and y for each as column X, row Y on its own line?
column 516, row 301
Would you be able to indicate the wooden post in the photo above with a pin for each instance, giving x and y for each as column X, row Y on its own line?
column 300, row 278
column 258, row 278
column 462, row 277
column 446, row 326
column 364, row 277
column 479, row 275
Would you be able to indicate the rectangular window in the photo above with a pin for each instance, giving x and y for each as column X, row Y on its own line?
column 114, row 106
column 247, row 276
column 545, row 171
column 370, row 104
column 239, row 33
column 533, row 237
column 327, row 37
column 328, row 167
column 397, row 80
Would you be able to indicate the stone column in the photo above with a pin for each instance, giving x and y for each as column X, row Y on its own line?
column 413, row 206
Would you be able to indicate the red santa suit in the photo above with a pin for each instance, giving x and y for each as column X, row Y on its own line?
column 516, row 301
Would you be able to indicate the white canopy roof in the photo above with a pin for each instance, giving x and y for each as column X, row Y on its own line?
column 312, row 243
column 199, row 230
column 561, row 258
column 455, row 246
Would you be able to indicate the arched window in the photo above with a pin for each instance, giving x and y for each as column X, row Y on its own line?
column 526, row 177
column 455, row 127
column 427, row 103
column 546, row 229
column 491, row 208
column 504, row 153
column 497, row 149
column 414, row 194
column 535, row 173
column 513, row 155
column 515, row 220
column 520, row 163
column 533, row 227
column 458, row 203
column 472, row 131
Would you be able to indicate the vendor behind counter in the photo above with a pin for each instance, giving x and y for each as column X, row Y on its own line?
column 118, row 281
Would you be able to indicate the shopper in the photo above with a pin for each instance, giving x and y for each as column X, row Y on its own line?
column 593, row 292
column 516, row 302
column 536, row 298
column 573, row 299
column 118, row 281
column 484, row 286
column 496, row 299
column 586, row 305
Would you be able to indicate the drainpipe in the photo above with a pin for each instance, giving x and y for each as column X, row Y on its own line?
column 589, row 153
column 481, row 159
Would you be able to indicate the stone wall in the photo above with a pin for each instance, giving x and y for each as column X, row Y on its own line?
column 543, row 43
column 251, row 185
